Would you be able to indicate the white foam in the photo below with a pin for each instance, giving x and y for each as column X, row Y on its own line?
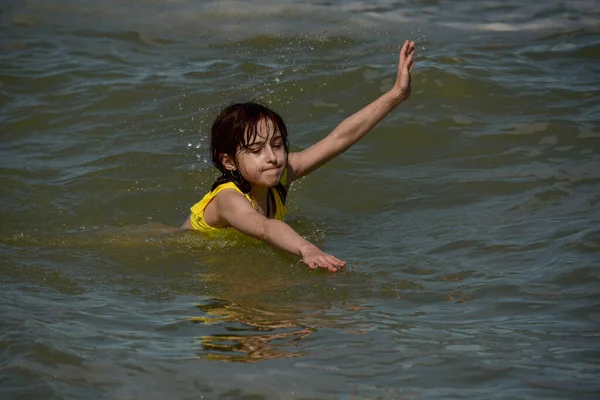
column 236, row 19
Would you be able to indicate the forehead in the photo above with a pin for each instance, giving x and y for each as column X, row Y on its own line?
column 264, row 130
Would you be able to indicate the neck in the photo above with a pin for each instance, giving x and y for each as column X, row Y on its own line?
column 259, row 193
column 263, row 200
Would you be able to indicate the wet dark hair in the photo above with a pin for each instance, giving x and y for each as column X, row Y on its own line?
column 236, row 128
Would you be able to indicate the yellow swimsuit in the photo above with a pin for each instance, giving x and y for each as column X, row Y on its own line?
column 197, row 217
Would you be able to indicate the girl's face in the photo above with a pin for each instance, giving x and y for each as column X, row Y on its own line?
column 263, row 161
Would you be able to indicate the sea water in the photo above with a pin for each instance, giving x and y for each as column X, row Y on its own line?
column 469, row 218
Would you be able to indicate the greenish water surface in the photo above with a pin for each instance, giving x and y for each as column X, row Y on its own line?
column 469, row 217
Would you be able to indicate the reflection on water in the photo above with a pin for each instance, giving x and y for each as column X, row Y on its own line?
column 251, row 335
column 469, row 218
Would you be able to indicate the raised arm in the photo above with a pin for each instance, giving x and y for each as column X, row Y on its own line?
column 353, row 128
column 237, row 211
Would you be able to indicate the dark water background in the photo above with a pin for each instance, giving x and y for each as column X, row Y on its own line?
column 470, row 217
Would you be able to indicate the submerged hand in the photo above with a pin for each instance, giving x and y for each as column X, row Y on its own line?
column 405, row 66
column 315, row 258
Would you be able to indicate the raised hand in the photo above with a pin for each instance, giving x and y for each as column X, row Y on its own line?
column 405, row 65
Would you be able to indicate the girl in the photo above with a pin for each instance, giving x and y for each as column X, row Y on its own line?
column 249, row 145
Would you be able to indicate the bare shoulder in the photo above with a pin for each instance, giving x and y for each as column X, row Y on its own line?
column 235, row 210
column 220, row 208
column 226, row 196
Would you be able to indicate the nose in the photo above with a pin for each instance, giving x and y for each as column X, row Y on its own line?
column 270, row 155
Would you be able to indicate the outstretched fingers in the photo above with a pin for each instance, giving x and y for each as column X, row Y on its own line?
column 405, row 67
column 403, row 53
column 410, row 52
column 409, row 62
column 335, row 263
column 408, row 48
column 327, row 262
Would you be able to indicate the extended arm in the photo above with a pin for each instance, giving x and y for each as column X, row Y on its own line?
column 353, row 128
column 238, row 213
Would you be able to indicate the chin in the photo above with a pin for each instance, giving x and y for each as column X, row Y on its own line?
column 267, row 182
column 273, row 183
column 276, row 177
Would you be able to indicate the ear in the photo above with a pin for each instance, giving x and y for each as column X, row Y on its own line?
column 228, row 162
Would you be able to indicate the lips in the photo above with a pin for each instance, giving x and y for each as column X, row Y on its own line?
column 271, row 169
